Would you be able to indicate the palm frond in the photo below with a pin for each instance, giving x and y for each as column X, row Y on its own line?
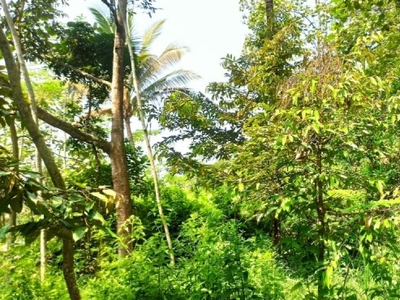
column 131, row 23
column 171, row 56
column 103, row 22
column 175, row 79
column 151, row 34
column 157, row 66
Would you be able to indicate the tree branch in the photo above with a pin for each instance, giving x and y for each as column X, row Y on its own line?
column 73, row 131
column 86, row 74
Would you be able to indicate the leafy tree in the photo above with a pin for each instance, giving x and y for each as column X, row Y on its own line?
column 29, row 121
column 312, row 122
column 115, row 149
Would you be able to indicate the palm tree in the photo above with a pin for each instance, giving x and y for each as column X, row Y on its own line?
column 153, row 75
column 149, row 80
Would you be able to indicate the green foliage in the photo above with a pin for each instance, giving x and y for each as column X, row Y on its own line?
column 221, row 265
column 37, row 40
column 292, row 186
column 21, row 278
column 319, row 142
column 77, row 40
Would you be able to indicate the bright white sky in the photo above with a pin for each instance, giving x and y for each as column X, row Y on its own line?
column 210, row 28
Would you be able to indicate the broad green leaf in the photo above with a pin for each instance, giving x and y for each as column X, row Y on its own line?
column 296, row 287
column 80, row 184
column 95, row 215
column 328, row 275
column 79, row 233
column 386, row 223
column 56, row 201
column 380, row 186
column 369, row 237
column 16, row 202
column 100, row 196
column 108, row 231
column 109, row 192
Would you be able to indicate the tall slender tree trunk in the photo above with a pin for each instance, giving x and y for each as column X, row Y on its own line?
column 276, row 231
column 43, row 260
column 12, row 220
column 322, row 289
column 269, row 6
column 127, row 117
column 15, row 153
column 31, row 93
column 117, row 154
column 68, row 267
column 129, row 134
column 25, row 112
column 149, row 150
column 157, row 190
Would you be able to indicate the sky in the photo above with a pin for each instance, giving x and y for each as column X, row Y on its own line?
column 211, row 29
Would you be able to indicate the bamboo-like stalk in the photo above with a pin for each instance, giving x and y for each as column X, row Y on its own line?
column 148, row 146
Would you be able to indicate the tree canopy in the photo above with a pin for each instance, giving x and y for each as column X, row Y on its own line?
column 288, row 187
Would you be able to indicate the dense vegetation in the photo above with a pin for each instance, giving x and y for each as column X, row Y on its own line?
column 289, row 189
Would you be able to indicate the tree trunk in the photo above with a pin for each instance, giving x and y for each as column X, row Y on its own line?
column 43, row 261
column 37, row 138
column 276, row 231
column 15, row 154
column 149, row 150
column 31, row 93
column 127, row 117
column 68, row 267
column 322, row 288
column 117, row 153
column 129, row 132
column 269, row 6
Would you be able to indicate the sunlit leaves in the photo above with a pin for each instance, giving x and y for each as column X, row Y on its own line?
column 319, row 129
column 79, row 233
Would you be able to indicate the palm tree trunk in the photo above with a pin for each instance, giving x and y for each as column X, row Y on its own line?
column 149, row 150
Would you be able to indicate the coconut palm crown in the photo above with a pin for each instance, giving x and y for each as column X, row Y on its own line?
column 153, row 72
